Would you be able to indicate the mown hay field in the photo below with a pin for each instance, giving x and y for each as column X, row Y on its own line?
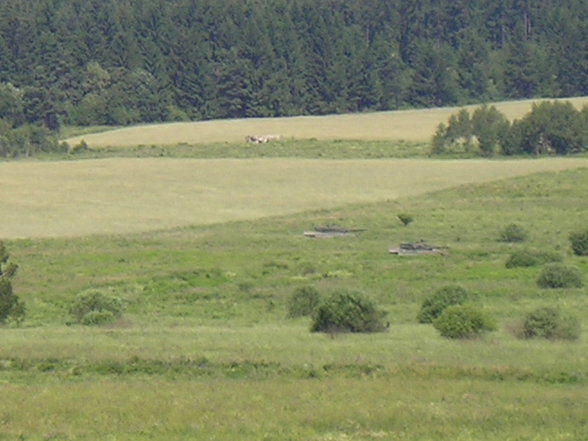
column 408, row 125
column 116, row 196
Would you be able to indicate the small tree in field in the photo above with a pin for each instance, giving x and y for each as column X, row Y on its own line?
column 11, row 308
column 434, row 305
column 464, row 321
column 348, row 312
column 579, row 242
column 405, row 218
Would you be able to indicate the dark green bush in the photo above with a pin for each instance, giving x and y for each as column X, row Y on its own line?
column 559, row 275
column 348, row 312
column 526, row 258
column 11, row 307
column 513, row 233
column 548, row 322
column 444, row 297
column 303, row 302
column 464, row 321
column 405, row 218
column 579, row 242
column 94, row 307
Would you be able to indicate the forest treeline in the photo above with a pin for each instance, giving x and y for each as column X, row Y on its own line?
column 87, row 62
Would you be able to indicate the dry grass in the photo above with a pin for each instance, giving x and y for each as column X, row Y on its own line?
column 408, row 125
column 76, row 198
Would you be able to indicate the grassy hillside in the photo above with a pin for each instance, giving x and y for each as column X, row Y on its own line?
column 407, row 125
column 205, row 351
column 76, row 198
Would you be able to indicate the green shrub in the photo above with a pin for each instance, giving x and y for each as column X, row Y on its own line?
column 444, row 297
column 526, row 258
column 405, row 218
column 11, row 307
column 94, row 307
column 579, row 242
column 513, row 233
column 348, row 312
column 548, row 322
column 303, row 302
column 559, row 275
column 464, row 321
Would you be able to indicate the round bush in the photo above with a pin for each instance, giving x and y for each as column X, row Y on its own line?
column 558, row 275
column 303, row 302
column 464, row 321
column 579, row 242
column 444, row 297
column 526, row 258
column 513, row 233
column 348, row 312
column 95, row 307
column 548, row 322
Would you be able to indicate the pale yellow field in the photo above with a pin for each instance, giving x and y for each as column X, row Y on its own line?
column 110, row 196
column 408, row 125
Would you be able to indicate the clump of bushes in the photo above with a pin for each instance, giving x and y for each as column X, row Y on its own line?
column 513, row 233
column 441, row 299
column 526, row 258
column 94, row 307
column 464, row 321
column 303, row 302
column 548, row 322
column 348, row 311
column 559, row 275
column 579, row 242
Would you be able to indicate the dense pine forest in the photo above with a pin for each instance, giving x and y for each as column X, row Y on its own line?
column 88, row 62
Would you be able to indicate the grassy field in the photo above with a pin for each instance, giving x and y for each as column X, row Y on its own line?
column 108, row 196
column 407, row 125
column 205, row 351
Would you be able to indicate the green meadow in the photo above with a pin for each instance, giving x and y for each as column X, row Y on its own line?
column 205, row 252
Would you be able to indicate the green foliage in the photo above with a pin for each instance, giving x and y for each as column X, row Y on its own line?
column 464, row 321
column 106, row 64
column 548, row 322
column 579, row 242
column 513, row 233
column 486, row 128
column 348, row 311
column 550, row 128
column 405, row 218
column 303, row 302
column 444, row 297
column 11, row 307
column 559, row 275
column 528, row 257
column 94, row 307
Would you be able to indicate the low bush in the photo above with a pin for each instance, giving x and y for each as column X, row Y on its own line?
column 405, row 218
column 513, row 233
column 559, row 275
column 94, row 307
column 348, row 312
column 444, row 297
column 303, row 302
column 579, row 242
column 526, row 258
column 464, row 321
column 548, row 322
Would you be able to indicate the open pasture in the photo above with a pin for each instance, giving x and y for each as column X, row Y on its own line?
column 205, row 351
column 407, row 125
column 117, row 196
